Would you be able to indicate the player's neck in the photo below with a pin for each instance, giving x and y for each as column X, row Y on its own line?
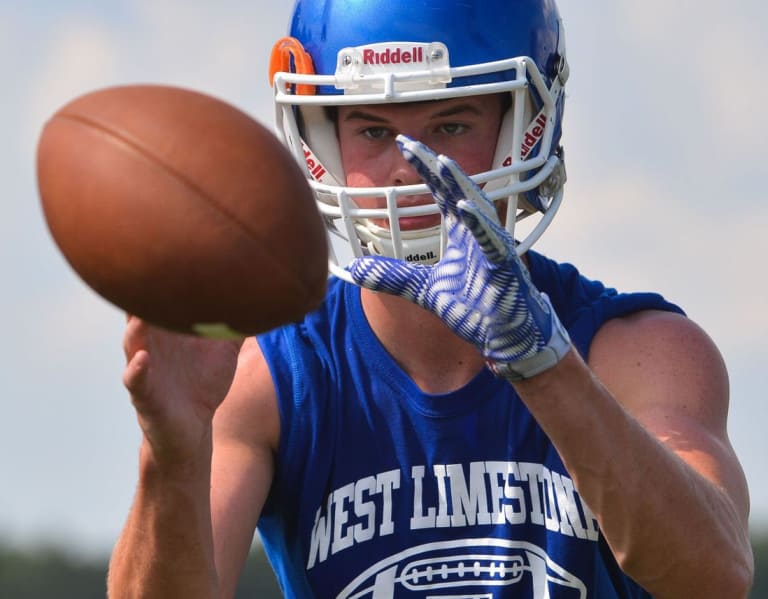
column 425, row 348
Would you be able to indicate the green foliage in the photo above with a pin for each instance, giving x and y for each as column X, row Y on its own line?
column 46, row 572
column 760, row 547
column 257, row 579
column 49, row 572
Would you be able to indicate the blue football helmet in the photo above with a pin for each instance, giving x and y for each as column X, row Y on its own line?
column 343, row 52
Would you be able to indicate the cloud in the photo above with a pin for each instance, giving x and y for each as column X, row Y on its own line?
column 712, row 62
column 639, row 234
column 224, row 52
column 77, row 57
column 663, row 135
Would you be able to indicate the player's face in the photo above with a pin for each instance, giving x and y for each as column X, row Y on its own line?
column 465, row 129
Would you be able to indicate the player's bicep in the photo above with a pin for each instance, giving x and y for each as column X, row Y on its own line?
column 246, row 433
column 668, row 374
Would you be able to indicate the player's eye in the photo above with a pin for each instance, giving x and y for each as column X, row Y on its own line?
column 375, row 133
column 453, row 128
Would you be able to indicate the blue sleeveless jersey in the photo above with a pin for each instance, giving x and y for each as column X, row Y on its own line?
column 383, row 491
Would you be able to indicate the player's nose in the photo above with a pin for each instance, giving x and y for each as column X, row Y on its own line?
column 400, row 171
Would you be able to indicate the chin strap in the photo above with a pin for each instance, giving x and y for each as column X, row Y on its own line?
column 480, row 288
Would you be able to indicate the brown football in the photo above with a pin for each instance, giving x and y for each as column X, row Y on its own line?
column 182, row 210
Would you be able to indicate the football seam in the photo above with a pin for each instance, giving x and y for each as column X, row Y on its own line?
column 132, row 142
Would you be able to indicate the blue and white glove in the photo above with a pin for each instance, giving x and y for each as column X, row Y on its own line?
column 480, row 288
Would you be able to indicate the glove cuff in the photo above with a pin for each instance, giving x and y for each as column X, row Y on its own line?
column 555, row 350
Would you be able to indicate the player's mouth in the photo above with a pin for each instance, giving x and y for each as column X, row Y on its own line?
column 412, row 222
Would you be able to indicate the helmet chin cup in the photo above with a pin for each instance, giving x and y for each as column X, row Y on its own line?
column 421, row 246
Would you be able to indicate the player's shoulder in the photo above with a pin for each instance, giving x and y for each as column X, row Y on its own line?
column 658, row 328
column 659, row 333
column 660, row 358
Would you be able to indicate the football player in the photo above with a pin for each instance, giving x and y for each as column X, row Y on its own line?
column 463, row 416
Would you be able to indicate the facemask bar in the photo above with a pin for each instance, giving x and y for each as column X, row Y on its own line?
column 351, row 224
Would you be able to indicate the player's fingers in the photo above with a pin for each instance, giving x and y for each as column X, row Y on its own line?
column 135, row 374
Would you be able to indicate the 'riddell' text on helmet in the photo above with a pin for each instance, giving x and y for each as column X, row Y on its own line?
column 358, row 52
column 397, row 55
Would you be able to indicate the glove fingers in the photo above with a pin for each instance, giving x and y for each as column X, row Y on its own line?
column 389, row 275
column 425, row 162
column 462, row 186
column 494, row 241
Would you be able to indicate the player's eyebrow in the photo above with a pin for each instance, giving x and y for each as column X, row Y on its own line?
column 362, row 115
column 458, row 109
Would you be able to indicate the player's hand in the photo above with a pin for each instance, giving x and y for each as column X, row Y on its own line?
column 480, row 288
column 176, row 384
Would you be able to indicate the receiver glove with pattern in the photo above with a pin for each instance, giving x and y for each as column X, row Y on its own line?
column 480, row 287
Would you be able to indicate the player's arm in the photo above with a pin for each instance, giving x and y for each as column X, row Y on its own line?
column 166, row 546
column 246, row 432
column 643, row 434
column 170, row 544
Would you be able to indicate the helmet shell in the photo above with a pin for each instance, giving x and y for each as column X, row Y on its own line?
column 475, row 31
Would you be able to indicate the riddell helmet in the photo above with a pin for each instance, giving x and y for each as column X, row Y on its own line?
column 343, row 52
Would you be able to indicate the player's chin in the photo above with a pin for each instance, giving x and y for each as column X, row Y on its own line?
column 411, row 223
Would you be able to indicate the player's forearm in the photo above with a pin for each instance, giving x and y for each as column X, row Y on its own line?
column 166, row 547
column 675, row 532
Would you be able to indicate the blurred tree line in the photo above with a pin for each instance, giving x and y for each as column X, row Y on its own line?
column 49, row 573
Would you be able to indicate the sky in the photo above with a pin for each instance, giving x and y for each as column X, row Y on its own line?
column 664, row 135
